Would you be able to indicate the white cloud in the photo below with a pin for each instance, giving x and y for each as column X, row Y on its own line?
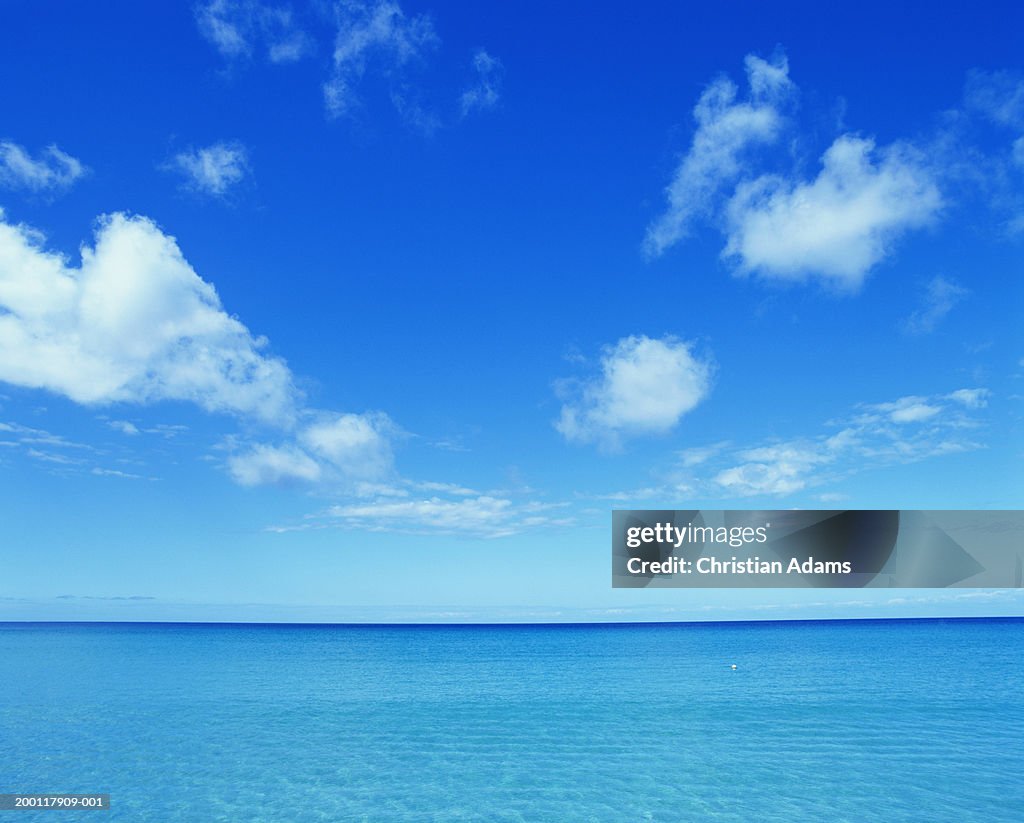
column 909, row 410
column 349, row 439
column 214, row 169
column 941, row 296
column 124, row 426
column 905, row 430
column 484, row 93
column 236, row 27
column 837, row 226
column 132, row 323
column 645, row 387
column 335, row 448
column 53, row 170
column 726, row 129
column 773, row 470
column 971, row 398
column 377, row 31
column 273, row 465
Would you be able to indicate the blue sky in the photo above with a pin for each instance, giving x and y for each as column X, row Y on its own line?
column 359, row 310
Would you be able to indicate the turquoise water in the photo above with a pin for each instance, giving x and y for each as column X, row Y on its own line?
column 837, row 721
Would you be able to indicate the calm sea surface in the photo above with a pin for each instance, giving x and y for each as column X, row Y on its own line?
column 833, row 721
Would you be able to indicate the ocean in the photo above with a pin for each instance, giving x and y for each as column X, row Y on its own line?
column 909, row 720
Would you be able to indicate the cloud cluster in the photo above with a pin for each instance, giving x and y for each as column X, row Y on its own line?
column 366, row 32
column 236, row 28
column 368, row 40
column 836, row 227
column 486, row 90
column 646, row 385
column 340, row 448
column 132, row 323
column 905, row 430
column 52, row 170
column 213, row 170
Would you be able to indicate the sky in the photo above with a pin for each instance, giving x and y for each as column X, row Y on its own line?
column 350, row 310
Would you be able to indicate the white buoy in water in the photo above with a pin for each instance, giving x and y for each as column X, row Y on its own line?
column 733, row 667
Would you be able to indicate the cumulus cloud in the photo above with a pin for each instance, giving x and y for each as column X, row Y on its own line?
column 727, row 127
column 377, row 32
column 941, row 295
column 646, row 385
column 486, row 90
column 236, row 28
column 837, row 226
column 52, row 170
column 132, row 323
column 213, row 170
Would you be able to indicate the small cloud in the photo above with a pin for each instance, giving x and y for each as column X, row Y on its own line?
column 213, row 170
column 358, row 445
column 124, row 427
column 273, row 465
column 100, row 472
column 51, row 171
column 971, row 398
column 838, row 226
column 341, row 448
column 941, row 295
column 486, row 90
column 645, row 387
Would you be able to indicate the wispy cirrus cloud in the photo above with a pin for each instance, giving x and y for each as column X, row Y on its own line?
column 50, row 171
column 909, row 429
column 374, row 45
column 727, row 127
column 486, row 89
column 905, row 430
column 371, row 33
column 212, row 170
column 238, row 28
column 998, row 97
column 410, row 507
column 645, row 387
column 940, row 297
